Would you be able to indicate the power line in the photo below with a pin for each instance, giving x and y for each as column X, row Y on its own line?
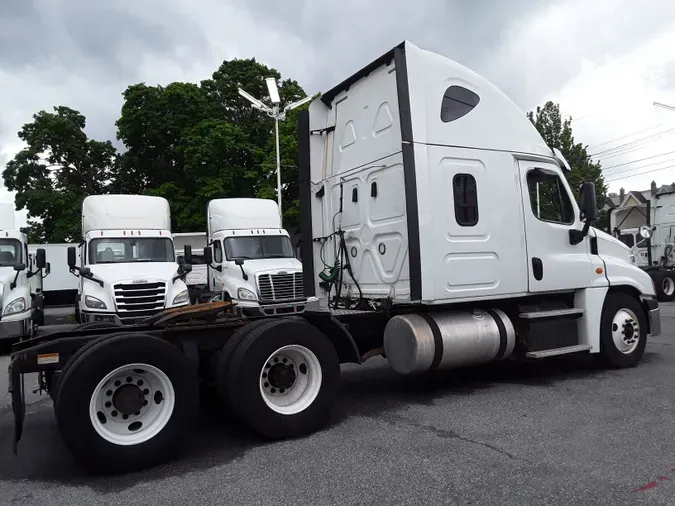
column 624, row 137
column 640, row 174
column 632, row 169
column 618, row 150
column 640, row 160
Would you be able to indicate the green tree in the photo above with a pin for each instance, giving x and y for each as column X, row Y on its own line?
column 557, row 132
column 190, row 143
column 57, row 169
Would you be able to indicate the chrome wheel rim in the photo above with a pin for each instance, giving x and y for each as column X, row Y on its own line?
column 625, row 331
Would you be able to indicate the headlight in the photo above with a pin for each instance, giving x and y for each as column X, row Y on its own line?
column 246, row 294
column 16, row 306
column 182, row 298
column 94, row 303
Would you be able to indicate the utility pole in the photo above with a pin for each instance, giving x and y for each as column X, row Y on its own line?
column 278, row 114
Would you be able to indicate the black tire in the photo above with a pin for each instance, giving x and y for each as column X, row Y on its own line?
column 662, row 278
column 78, row 316
column 89, row 367
column 222, row 364
column 55, row 377
column 609, row 352
column 245, row 370
column 39, row 310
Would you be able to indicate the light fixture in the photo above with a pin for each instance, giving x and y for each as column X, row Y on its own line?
column 278, row 114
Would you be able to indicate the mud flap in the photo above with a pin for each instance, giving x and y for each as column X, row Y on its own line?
column 16, row 388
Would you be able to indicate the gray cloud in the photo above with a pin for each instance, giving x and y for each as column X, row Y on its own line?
column 83, row 53
column 101, row 39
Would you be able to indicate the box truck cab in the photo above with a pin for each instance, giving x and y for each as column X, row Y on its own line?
column 21, row 277
column 127, row 269
column 251, row 259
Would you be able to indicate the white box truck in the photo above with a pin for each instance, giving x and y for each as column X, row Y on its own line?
column 60, row 287
column 439, row 231
column 127, row 269
column 250, row 258
column 21, row 275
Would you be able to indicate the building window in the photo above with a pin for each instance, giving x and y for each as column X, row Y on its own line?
column 466, row 199
column 457, row 102
column 549, row 198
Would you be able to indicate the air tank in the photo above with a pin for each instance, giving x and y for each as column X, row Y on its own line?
column 421, row 342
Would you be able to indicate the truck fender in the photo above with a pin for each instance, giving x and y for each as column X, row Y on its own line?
column 339, row 335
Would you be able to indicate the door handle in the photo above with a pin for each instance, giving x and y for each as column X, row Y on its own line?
column 537, row 268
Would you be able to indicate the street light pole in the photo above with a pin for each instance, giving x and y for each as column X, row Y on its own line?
column 276, row 133
column 278, row 114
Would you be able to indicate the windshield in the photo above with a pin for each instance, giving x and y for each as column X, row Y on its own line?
column 260, row 246
column 110, row 250
column 10, row 252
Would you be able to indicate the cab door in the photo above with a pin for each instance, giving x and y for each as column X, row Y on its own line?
column 553, row 263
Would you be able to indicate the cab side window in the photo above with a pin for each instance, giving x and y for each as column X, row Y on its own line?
column 548, row 197
column 217, row 251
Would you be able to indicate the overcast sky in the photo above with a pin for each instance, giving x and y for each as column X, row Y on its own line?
column 604, row 61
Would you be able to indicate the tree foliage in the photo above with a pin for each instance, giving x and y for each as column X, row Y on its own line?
column 557, row 133
column 187, row 142
column 55, row 171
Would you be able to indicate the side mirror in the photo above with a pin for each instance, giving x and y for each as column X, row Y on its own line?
column 40, row 258
column 187, row 254
column 186, row 268
column 85, row 271
column 48, row 268
column 646, row 232
column 588, row 203
column 19, row 267
column 208, row 255
column 72, row 257
column 180, row 260
column 239, row 261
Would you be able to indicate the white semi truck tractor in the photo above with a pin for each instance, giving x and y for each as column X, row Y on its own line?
column 128, row 269
column 251, row 260
column 438, row 231
column 21, row 274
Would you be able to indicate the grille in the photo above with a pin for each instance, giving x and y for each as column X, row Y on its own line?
column 279, row 287
column 139, row 300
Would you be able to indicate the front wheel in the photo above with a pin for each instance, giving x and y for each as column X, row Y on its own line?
column 623, row 330
column 283, row 378
column 664, row 281
column 127, row 402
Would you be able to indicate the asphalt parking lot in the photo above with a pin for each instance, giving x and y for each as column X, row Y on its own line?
column 557, row 432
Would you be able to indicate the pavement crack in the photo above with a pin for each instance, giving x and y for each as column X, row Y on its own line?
column 451, row 434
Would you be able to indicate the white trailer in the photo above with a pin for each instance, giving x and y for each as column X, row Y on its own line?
column 196, row 280
column 439, row 231
column 59, row 287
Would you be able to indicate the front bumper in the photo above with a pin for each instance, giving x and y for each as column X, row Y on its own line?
column 254, row 309
column 11, row 325
column 654, row 314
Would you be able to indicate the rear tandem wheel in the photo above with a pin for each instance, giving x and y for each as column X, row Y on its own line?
column 126, row 402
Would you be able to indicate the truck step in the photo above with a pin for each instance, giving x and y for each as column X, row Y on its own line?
column 558, row 351
column 552, row 313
